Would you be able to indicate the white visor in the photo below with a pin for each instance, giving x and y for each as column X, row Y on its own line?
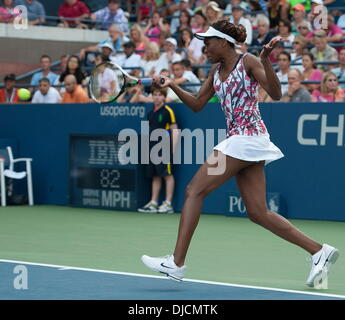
column 212, row 32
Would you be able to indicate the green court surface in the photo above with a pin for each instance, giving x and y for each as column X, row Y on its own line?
column 224, row 249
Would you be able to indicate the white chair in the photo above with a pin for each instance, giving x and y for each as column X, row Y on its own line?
column 7, row 171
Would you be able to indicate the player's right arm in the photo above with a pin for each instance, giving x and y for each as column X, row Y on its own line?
column 194, row 101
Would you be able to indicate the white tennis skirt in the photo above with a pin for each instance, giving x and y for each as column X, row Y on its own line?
column 250, row 148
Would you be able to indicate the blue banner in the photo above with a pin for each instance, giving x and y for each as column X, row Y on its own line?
column 309, row 179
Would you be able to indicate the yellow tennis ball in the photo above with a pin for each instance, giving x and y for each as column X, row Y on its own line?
column 24, row 94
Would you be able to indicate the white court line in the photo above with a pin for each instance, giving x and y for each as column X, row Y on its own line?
column 165, row 278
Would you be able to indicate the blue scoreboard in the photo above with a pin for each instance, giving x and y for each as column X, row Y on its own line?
column 98, row 179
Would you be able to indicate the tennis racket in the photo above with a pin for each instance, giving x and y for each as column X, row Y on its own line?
column 108, row 81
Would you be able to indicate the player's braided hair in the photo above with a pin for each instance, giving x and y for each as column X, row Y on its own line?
column 238, row 32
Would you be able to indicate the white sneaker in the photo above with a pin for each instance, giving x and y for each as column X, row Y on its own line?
column 165, row 208
column 165, row 265
column 149, row 207
column 321, row 261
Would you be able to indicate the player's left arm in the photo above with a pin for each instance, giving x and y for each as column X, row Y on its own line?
column 262, row 71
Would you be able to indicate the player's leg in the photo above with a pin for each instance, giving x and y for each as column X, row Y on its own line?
column 252, row 186
column 201, row 185
column 213, row 173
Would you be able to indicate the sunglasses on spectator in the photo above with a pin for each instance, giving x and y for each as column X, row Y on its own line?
column 302, row 27
column 296, row 42
column 282, row 59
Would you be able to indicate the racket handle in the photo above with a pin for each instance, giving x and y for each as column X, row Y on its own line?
column 145, row 81
column 148, row 81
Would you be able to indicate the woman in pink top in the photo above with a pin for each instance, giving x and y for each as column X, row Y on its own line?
column 310, row 72
column 234, row 78
column 153, row 29
column 8, row 12
column 330, row 91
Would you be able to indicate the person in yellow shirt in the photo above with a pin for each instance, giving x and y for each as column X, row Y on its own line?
column 74, row 92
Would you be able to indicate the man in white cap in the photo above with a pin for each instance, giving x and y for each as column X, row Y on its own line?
column 169, row 56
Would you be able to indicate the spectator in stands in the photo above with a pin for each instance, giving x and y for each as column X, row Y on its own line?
column 310, row 72
column 106, row 79
column 189, row 74
column 200, row 22
column 185, row 40
column 129, row 59
column 107, row 49
column 201, row 5
column 8, row 12
column 135, row 94
column 154, row 28
column 46, row 93
column 299, row 46
column 114, row 38
column 45, row 62
column 73, row 9
column 36, row 11
column 73, row 68
column 182, row 76
column 184, row 23
column 212, row 12
column 285, row 31
column 334, row 32
column 296, row 92
column 138, row 37
column 340, row 71
column 74, row 91
column 322, row 51
column 276, row 13
column 284, row 60
column 169, row 56
column 192, row 45
column 9, row 94
column 330, row 91
column 175, row 21
column 150, row 59
column 304, row 29
column 341, row 21
column 264, row 34
column 238, row 18
column 298, row 16
column 201, row 61
column 231, row 3
column 63, row 63
column 258, row 9
column 145, row 10
column 112, row 14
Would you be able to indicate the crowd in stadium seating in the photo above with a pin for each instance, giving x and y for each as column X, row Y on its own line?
column 156, row 37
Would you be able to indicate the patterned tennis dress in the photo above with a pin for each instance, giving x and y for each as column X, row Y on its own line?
column 247, row 136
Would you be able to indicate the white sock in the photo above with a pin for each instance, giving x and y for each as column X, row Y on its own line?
column 168, row 202
column 154, row 202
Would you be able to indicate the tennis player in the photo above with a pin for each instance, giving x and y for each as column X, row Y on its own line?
column 243, row 154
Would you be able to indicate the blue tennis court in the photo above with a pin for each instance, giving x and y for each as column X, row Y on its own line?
column 52, row 282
